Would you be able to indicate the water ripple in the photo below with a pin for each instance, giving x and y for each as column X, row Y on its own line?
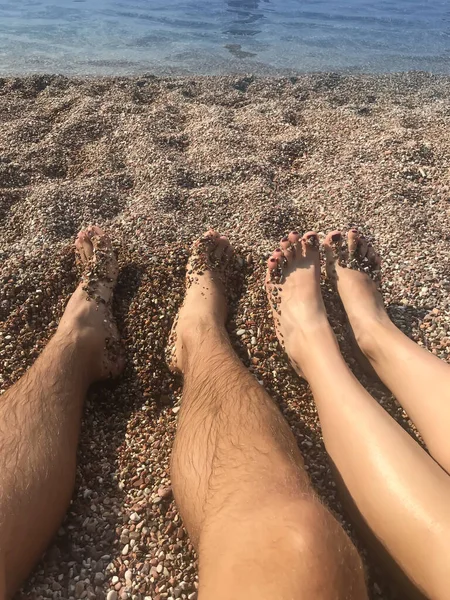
column 211, row 36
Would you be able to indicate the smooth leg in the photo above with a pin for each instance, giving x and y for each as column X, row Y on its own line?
column 417, row 378
column 401, row 493
column 239, row 480
column 40, row 421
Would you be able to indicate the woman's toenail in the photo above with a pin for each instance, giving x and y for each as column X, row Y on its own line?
column 285, row 239
column 336, row 237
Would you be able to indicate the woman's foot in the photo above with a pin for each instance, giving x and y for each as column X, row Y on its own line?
column 205, row 304
column 353, row 266
column 88, row 315
column 293, row 291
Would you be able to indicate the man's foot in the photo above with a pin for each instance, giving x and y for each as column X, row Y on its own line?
column 88, row 315
column 205, row 304
column 353, row 266
column 293, row 291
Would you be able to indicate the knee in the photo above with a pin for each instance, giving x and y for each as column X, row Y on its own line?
column 290, row 542
column 320, row 542
column 316, row 529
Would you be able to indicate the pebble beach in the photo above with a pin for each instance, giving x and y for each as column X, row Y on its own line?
column 156, row 162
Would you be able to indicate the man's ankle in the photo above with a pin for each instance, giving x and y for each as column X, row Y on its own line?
column 196, row 331
column 202, row 339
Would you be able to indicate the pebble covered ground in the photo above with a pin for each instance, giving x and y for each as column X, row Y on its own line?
column 156, row 162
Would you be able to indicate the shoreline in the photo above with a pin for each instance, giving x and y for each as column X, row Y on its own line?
column 274, row 74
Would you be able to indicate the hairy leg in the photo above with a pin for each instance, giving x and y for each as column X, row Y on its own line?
column 237, row 473
column 417, row 378
column 401, row 493
column 40, row 417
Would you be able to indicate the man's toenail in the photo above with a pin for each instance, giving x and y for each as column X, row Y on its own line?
column 336, row 237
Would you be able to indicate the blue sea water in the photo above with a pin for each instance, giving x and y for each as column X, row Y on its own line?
column 91, row 37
